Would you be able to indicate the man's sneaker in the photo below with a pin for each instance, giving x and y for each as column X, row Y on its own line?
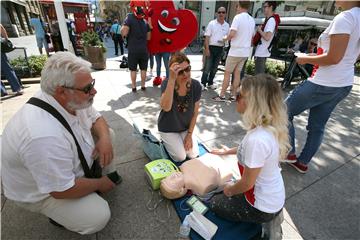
column 291, row 158
column 203, row 88
column 213, row 87
column 300, row 167
column 232, row 99
column 219, row 99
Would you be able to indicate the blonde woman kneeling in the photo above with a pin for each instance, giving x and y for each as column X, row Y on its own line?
column 260, row 195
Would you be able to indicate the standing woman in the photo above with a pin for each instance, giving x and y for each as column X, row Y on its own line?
column 331, row 83
column 260, row 194
column 180, row 100
column 8, row 71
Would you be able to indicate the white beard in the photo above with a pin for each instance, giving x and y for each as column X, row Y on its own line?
column 75, row 106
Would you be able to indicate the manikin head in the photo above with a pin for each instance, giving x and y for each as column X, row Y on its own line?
column 173, row 186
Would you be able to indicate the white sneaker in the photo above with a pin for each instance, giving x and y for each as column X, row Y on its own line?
column 213, row 87
column 203, row 88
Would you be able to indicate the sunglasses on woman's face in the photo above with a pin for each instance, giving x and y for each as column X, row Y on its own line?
column 182, row 72
column 87, row 89
column 313, row 44
column 221, row 12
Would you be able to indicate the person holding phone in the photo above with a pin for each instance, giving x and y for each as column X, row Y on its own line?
column 330, row 83
column 180, row 102
column 259, row 195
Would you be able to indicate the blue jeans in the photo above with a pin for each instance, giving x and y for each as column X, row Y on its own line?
column 3, row 89
column 211, row 65
column 321, row 101
column 165, row 56
column 151, row 59
column 9, row 73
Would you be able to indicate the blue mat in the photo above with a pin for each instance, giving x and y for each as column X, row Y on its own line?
column 226, row 229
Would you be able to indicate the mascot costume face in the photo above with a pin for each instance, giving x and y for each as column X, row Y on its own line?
column 172, row 30
column 140, row 8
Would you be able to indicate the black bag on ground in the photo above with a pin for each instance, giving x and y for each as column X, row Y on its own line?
column 124, row 62
column 6, row 45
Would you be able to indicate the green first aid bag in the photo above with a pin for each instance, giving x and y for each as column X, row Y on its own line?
column 158, row 170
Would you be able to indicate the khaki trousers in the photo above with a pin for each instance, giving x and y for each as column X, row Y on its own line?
column 85, row 215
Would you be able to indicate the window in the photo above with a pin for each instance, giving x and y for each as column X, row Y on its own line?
column 311, row 9
column 289, row 8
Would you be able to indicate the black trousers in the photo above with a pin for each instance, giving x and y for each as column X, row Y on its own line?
column 211, row 65
column 237, row 209
column 118, row 41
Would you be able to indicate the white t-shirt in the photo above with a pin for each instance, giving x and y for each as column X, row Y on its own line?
column 39, row 155
column 262, row 49
column 216, row 32
column 244, row 25
column 260, row 149
column 341, row 74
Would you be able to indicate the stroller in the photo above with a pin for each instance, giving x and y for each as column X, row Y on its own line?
column 295, row 70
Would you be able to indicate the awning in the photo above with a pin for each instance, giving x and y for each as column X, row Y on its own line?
column 300, row 22
column 20, row 2
column 81, row 4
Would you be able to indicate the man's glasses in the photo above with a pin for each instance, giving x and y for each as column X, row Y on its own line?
column 182, row 72
column 87, row 89
column 221, row 12
column 313, row 44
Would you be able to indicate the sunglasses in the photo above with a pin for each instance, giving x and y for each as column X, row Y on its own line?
column 238, row 96
column 220, row 12
column 182, row 72
column 87, row 89
column 313, row 44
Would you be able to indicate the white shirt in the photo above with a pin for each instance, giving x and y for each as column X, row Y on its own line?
column 260, row 149
column 39, row 155
column 216, row 32
column 244, row 25
column 341, row 74
column 262, row 49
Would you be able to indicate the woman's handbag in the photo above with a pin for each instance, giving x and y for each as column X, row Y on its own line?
column 153, row 148
column 47, row 38
column 6, row 45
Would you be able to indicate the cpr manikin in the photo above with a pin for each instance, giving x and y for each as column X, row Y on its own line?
column 200, row 175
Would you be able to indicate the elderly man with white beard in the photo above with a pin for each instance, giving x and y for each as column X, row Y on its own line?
column 47, row 168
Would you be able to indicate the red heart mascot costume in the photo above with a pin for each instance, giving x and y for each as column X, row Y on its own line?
column 172, row 29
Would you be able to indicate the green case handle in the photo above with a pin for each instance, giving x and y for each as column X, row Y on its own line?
column 175, row 167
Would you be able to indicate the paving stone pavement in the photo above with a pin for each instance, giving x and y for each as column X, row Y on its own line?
column 322, row 204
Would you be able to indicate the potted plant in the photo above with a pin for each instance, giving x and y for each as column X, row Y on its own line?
column 94, row 50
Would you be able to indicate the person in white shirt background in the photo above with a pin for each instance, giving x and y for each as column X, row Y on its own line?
column 262, row 51
column 41, row 170
column 241, row 34
column 331, row 83
column 259, row 195
column 214, row 34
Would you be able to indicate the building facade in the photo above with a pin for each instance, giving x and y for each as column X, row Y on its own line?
column 15, row 16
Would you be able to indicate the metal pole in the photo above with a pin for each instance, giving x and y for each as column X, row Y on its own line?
column 62, row 25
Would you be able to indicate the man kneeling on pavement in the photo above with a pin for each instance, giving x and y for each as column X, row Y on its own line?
column 42, row 170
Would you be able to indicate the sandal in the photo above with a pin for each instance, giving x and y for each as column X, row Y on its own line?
column 143, row 88
column 219, row 99
column 133, row 89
